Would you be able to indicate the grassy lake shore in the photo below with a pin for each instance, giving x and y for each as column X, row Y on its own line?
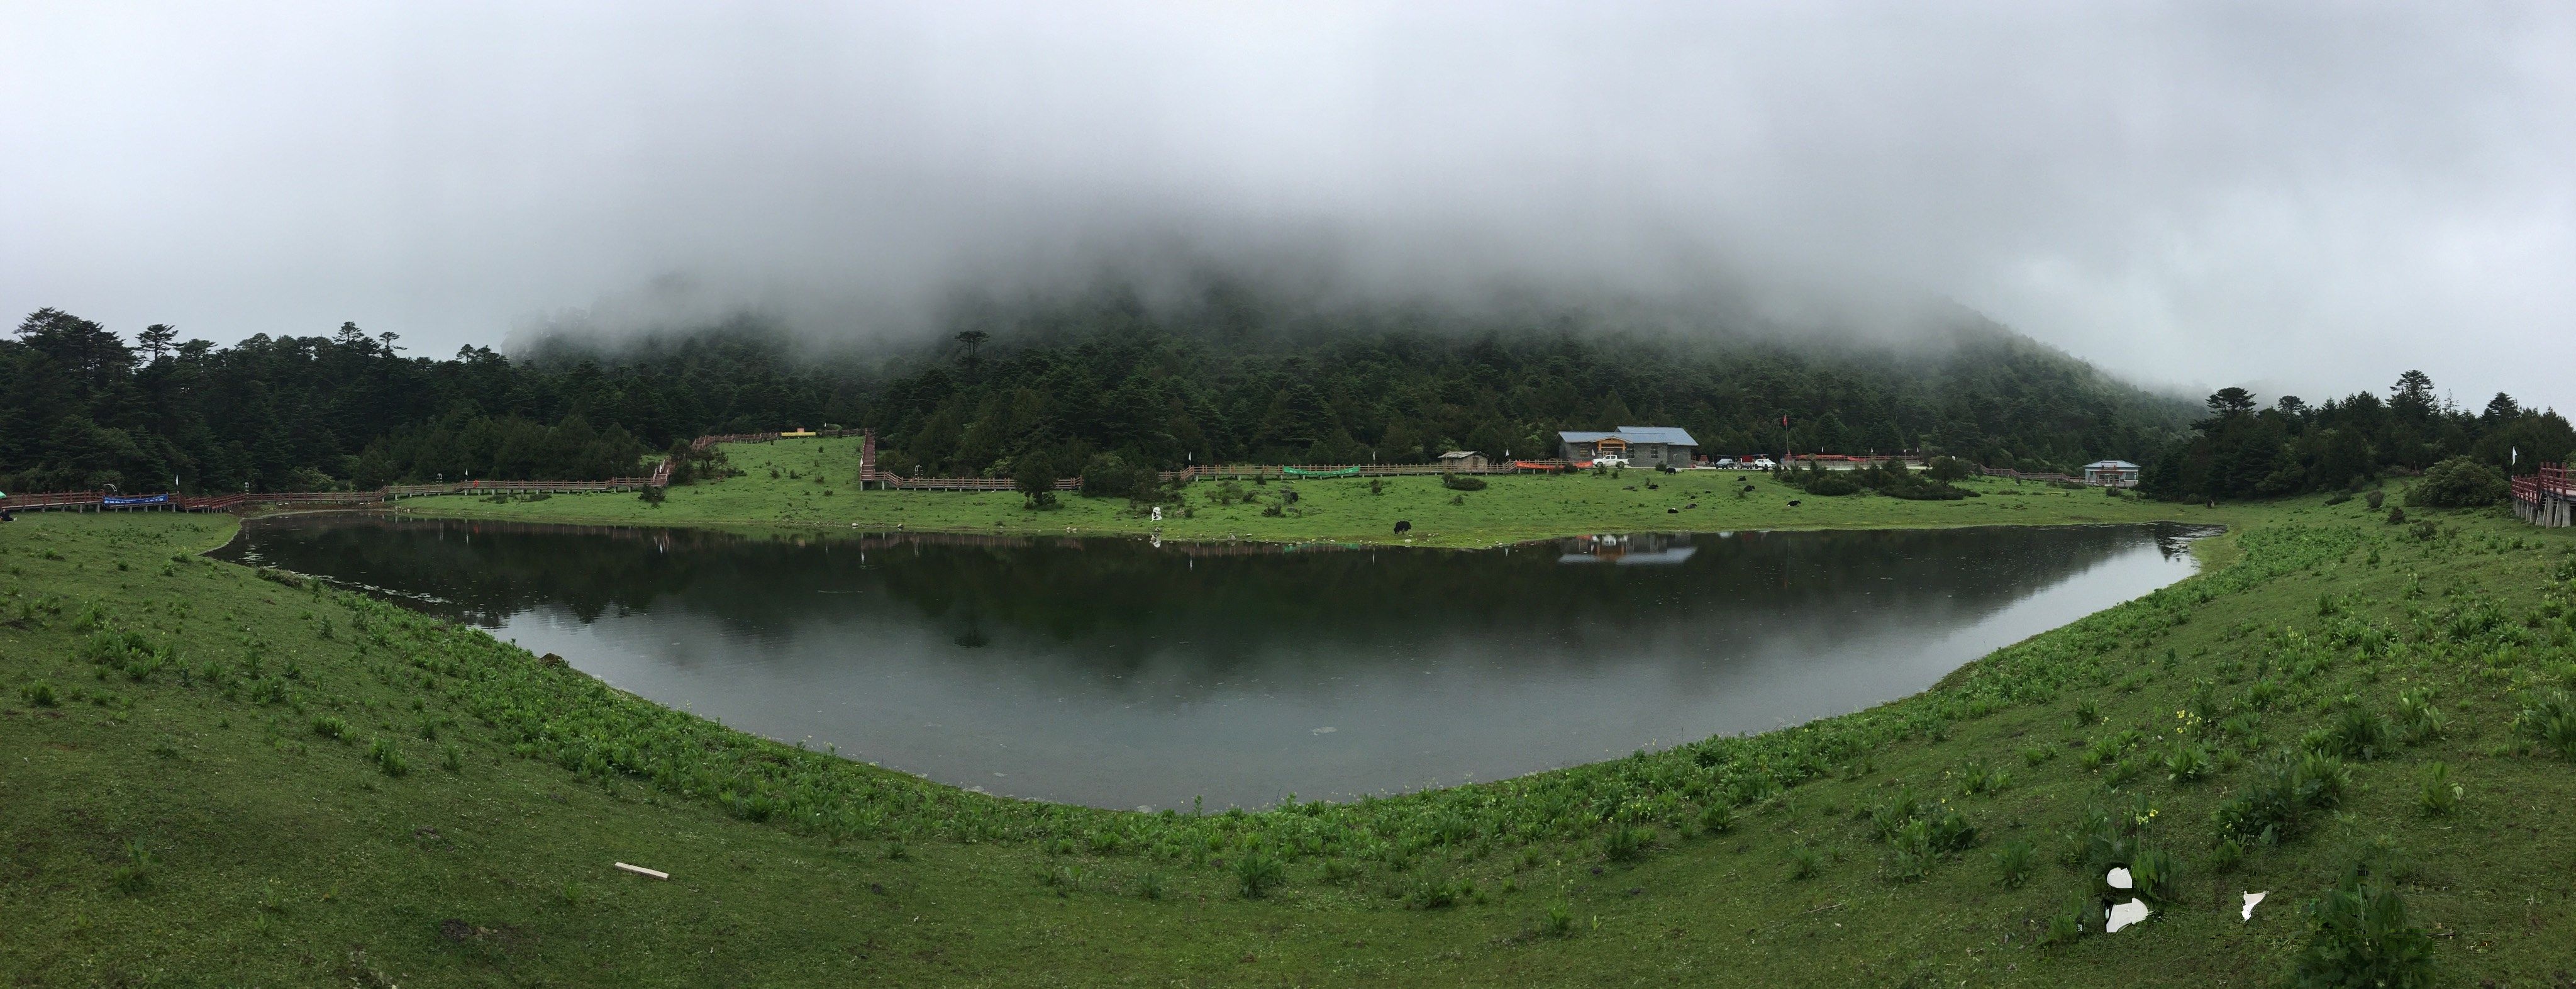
column 810, row 483
column 223, row 777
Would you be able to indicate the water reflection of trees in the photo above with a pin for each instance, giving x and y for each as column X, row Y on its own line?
column 979, row 589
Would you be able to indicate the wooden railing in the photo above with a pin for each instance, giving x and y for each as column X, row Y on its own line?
column 2052, row 478
column 660, row 477
column 2546, row 497
column 102, row 501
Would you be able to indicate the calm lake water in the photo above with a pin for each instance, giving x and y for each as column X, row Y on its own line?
column 1121, row 674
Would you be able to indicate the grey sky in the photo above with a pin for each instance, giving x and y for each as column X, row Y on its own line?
column 2303, row 197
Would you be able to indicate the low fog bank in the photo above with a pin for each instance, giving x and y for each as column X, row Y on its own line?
column 2194, row 194
column 1274, row 289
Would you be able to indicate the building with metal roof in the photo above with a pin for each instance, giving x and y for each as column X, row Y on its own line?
column 2111, row 473
column 1640, row 446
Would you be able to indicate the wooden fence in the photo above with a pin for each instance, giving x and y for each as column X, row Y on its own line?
column 102, row 501
column 2052, row 478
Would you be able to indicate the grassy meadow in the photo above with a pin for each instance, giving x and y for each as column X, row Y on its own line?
column 218, row 776
column 810, row 482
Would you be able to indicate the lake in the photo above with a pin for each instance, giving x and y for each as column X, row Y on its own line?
column 1119, row 673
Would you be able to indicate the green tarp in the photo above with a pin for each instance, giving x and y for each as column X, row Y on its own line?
column 1298, row 472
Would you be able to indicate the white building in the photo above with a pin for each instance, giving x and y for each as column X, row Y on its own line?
column 2111, row 473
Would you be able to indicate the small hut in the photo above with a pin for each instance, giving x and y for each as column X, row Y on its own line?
column 1462, row 460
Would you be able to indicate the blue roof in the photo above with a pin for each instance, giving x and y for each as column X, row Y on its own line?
column 1674, row 435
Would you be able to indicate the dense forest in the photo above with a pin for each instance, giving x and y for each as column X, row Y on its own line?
column 80, row 408
column 1230, row 380
column 1050, row 386
column 2242, row 450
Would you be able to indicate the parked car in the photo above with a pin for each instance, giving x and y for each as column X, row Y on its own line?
column 1762, row 463
column 1609, row 461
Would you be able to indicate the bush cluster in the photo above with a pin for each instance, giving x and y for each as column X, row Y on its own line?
column 2458, row 483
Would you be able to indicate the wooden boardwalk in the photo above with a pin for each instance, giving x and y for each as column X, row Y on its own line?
column 2546, row 497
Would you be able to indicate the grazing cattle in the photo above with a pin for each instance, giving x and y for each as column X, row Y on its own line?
column 1672, row 511
column 1748, row 487
column 1402, row 527
column 1692, row 505
column 1793, row 502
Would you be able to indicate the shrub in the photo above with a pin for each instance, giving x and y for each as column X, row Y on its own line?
column 1150, row 885
column 2374, row 499
column 2227, row 856
column 1950, row 469
column 451, row 759
column 2275, row 806
column 1432, row 893
column 1886, row 819
column 2419, row 719
column 652, row 495
column 1257, row 873
column 2086, row 712
column 2066, row 925
column 2188, row 764
column 2549, row 719
column 1107, row 475
column 40, row 694
column 1559, row 921
column 1922, row 490
column 1830, row 484
column 1805, row 863
column 1716, row 818
column 388, row 756
column 2156, row 875
column 2013, row 864
column 1976, row 777
column 2458, row 482
column 2440, row 796
column 1625, row 842
column 1033, row 475
column 2359, row 734
column 330, row 727
column 136, row 874
column 2358, row 936
column 1456, row 483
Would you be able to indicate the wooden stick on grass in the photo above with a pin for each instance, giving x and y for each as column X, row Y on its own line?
column 642, row 871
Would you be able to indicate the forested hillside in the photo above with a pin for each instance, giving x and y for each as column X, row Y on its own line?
column 80, row 407
column 1227, row 380
column 1237, row 383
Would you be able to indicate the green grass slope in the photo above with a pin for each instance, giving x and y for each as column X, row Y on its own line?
column 809, row 482
column 215, row 778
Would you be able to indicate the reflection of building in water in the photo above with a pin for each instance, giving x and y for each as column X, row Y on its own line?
column 1651, row 548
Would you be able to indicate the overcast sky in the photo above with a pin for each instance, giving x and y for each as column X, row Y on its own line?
column 2309, row 197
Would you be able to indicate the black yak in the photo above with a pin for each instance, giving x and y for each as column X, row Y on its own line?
column 1402, row 527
